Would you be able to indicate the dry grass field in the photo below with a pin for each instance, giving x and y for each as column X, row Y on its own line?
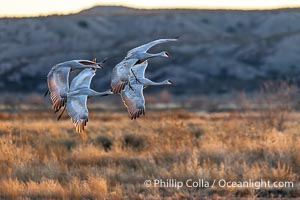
column 45, row 159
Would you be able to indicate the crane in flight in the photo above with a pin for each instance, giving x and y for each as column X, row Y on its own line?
column 121, row 72
column 58, row 79
column 128, row 79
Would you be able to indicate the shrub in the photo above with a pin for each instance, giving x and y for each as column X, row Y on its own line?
column 105, row 141
column 273, row 103
column 133, row 141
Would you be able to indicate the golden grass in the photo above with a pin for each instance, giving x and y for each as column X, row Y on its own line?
column 44, row 159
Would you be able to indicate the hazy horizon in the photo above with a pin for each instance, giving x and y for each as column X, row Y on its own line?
column 33, row 8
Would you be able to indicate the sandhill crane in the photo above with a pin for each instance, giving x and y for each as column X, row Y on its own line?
column 58, row 79
column 132, row 95
column 77, row 98
column 121, row 72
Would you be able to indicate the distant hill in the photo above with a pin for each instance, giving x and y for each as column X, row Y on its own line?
column 107, row 10
column 218, row 52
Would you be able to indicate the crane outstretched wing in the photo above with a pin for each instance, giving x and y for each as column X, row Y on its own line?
column 134, row 100
column 83, row 79
column 77, row 110
column 139, row 70
column 146, row 47
column 58, row 84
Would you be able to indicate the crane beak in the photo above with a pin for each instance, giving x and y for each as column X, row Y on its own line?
column 168, row 55
column 104, row 60
column 171, row 82
column 98, row 66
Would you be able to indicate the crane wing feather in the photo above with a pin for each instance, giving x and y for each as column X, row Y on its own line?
column 77, row 110
column 83, row 79
column 58, row 84
column 146, row 47
column 140, row 69
column 134, row 100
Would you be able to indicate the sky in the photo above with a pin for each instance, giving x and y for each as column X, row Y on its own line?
column 19, row 8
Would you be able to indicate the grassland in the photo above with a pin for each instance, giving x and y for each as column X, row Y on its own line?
column 45, row 159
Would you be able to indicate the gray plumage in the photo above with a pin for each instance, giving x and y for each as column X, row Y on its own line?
column 58, row 80
column 146, row 47
column 132, row 95
column 134, row 100
column 77, row 98
column 135, row 56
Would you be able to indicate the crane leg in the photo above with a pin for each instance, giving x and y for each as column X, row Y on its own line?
column 137, row 80
column 130, row 86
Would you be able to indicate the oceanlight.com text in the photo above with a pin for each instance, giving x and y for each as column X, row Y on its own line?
column 221, row 183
